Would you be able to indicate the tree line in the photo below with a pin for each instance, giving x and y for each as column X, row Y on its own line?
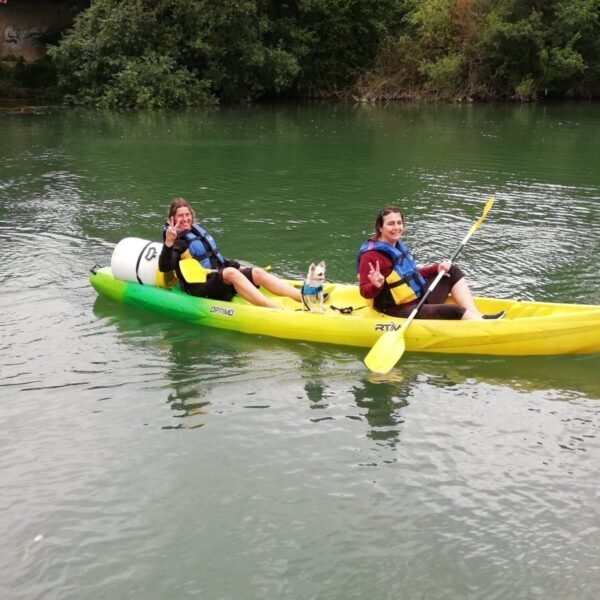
column 164, row 53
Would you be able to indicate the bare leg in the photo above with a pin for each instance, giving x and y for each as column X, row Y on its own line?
column 245, row 288
column 461, row 294
column 275, row 285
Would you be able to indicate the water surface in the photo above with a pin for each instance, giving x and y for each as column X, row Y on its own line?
column 146, row 459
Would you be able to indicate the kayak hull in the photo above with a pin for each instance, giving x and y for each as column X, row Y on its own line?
column 528, row 329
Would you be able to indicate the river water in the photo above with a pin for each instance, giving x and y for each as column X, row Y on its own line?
column 143, row 458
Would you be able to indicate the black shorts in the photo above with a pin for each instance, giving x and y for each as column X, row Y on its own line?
column 215, row 287
column 434, row 307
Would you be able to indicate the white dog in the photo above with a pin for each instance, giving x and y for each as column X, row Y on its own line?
column 312, row 288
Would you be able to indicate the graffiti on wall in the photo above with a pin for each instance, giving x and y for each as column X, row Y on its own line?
column 17, row 38
column 27, row 27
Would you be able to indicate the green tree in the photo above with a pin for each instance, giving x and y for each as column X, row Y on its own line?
column 343, row 40
column 434, row 53
column 143, row 53
column 454, row 49
column 533, row 48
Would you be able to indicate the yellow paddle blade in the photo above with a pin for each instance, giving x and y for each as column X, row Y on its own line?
column 193, row 271
column 386, row 351
column 486, row 210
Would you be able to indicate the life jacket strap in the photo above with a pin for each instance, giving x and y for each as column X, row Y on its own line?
column 406, row 280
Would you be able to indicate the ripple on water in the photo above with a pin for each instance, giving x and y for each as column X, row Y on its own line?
column 157, row 458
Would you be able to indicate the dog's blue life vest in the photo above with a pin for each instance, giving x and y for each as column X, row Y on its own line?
column 202, row 247
column 405, row 283
column 309, row 291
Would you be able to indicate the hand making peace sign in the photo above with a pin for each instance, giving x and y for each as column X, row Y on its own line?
column 170, row 233
column 375, row 276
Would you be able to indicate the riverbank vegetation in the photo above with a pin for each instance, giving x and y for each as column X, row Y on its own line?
column 490, row 49
column 20, row 80
column 152, row 54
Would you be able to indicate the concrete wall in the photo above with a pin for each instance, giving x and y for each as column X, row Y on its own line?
column 26, row 24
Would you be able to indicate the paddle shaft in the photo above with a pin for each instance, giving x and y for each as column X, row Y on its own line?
column 430, row 289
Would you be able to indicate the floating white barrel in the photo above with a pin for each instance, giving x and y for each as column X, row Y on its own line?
column 135, row 259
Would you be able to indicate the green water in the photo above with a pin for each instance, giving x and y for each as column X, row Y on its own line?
column 146, row 459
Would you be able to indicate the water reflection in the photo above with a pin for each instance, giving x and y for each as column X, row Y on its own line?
column 381, row 400
column 561, row 377
column 209, row 370
column 381, row 404
column 187, row 396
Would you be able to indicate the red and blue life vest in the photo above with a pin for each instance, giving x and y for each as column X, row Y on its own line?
column 405, row 283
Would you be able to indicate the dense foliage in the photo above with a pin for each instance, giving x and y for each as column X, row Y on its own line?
column 23, row 80
column 143, row 53
column 148, row 53
column 456, row 49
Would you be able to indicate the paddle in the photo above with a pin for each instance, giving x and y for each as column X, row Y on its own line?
column 194, row 272
column 390, row 346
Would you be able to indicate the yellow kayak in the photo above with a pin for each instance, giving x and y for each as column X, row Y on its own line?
column 529, row 328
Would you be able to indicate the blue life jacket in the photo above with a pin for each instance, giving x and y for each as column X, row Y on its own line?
column 202, row 247
column 308, row 290
column 405, row 283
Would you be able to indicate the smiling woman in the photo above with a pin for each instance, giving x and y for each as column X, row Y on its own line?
column 184, row 239
column 390, row 276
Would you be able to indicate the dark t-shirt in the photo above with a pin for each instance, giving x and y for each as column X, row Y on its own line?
column 214, row 287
